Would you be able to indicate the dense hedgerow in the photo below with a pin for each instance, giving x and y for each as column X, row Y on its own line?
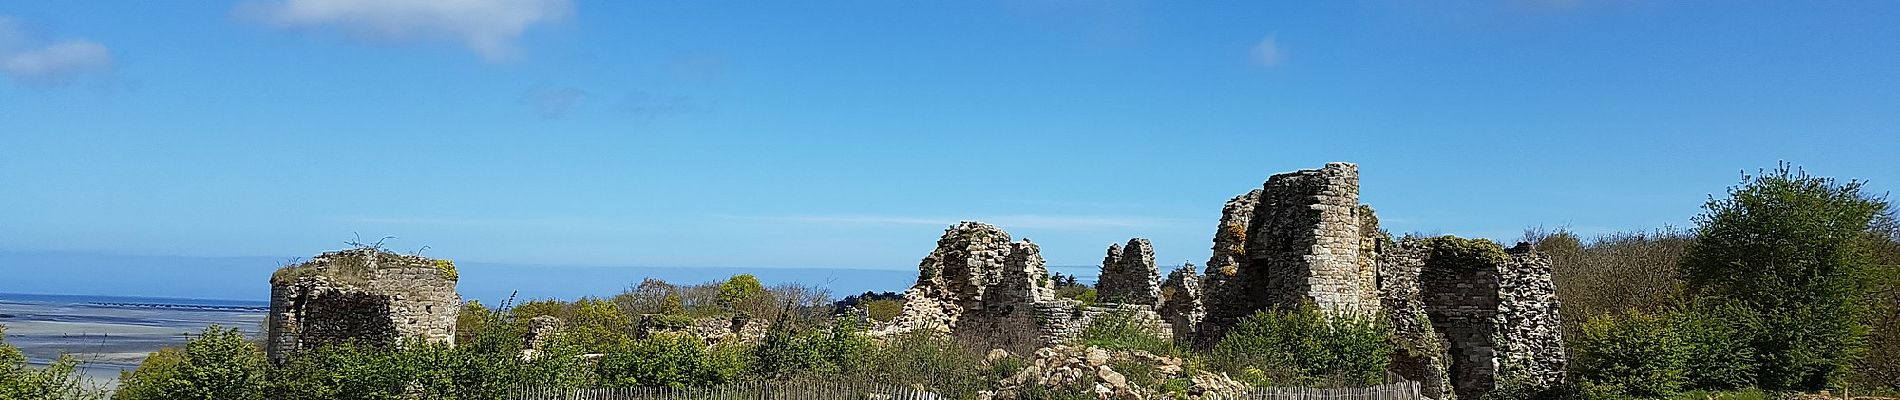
column 1306, row 346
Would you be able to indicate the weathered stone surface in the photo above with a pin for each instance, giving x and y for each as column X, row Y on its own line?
column 980, row 286
column 1466, row 319
column 1295, row 240
column 364, row 294
column 1181, row 301
column 1129, row 274
column 1495, row 312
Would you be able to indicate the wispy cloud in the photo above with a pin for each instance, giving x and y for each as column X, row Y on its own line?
column 486, row 223
column 488, row 27
column 1028, row 221
column 1267, row 52
column 29, row 61
column 648, row 105
column 550, row 102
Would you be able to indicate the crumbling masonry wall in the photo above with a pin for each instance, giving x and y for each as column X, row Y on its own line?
column 979, row 286
column 1180, row 303
column 1129, row 275
column 1497, row 311
column 365, row 295
column 1297, row 239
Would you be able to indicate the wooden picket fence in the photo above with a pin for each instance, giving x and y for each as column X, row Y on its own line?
column 1404, row 390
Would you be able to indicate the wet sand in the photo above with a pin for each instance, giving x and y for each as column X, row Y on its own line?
column 108, row 338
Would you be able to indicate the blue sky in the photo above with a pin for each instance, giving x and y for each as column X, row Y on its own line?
column 849, row 134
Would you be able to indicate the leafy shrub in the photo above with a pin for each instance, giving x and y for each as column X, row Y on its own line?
column 843, row 348
column 1120, row 330
column 882, row 310
column 57, row 381
column 931, row 360
column 673, row 360
column 218, row 364
column 343, row 371
column 1718, row 349
column 1306, row 347
column 1631, row 354
column 1793, row 249
column 739, row 290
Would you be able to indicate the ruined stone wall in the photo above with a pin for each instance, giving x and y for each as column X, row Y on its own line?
column 1180, row 303
column 1297, row 239
column 1306, row 235
column 1497, row 312
column 1531, row 333
column 979, row 286
column 366, row 295
column 1422, row 352
column 1129, row 275
column 1064, row 319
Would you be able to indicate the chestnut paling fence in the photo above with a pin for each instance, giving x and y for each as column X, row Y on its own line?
column 1403, row 390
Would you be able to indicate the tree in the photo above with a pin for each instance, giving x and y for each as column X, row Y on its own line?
column 1795, row 250
column 57, row 381
column 739, row 290
column 218, row 364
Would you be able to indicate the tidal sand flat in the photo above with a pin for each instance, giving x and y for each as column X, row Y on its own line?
column 113, row 333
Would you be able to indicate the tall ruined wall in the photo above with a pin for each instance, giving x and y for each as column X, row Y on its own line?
column 1531, row 329
column 1496, row 310
column 979, row 286
column 1306, row 234
column 1296, row 239
column 1422, row 352
column 365, row 295
column 1180, row 303
column 1229, row 290
column 1129, row 275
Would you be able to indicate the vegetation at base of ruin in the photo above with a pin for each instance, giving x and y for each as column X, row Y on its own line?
column 1794, row 250
column 1122, row 330
column 58, row 381
column 218, row 365
column 1612, row 273
column 1305, row 346
column 1790, row 283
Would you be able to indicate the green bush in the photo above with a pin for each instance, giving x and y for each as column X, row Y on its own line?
column 1631, row 354
column 1720, row 355
column 1120, row 330
column 58, row 381
column 218, row 364
column 739, row 290
column 343, row 371
column 784, row 353
column 1306, row 347
column 1795, row 250
column 672, row 360
column 931, row 360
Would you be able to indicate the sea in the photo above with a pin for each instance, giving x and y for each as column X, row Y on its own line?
column 109, row 334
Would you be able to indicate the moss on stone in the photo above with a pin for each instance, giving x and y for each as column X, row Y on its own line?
column 1465, row 254
column 357, row 265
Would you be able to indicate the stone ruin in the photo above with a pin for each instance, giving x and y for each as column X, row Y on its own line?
column 981, row 287
column 1129, row 275
column 1489, row 315
column 366, row 295
column 1180, row 302
column 1295, row 240
column 1464, row 326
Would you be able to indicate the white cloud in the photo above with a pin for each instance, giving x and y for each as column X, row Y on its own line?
column 489, row 27
column 553, row 102
column 1028, row 221
column 29, row 62
column 1267, row 53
